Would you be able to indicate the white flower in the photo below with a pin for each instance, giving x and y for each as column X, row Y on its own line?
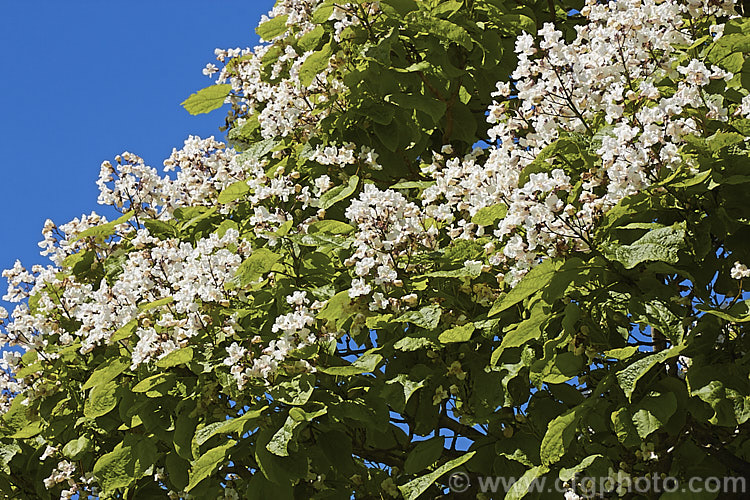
column 210, row 69
column 744, row 108
column 236, row 353
column 379, row 302
column 48, row 452
column 359, row 288
column 298, row 298
column 571, row 495
column 322, row 184
column 739, row 271
column 695, row 73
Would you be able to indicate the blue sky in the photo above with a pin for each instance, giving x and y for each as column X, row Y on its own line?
column 84, row 81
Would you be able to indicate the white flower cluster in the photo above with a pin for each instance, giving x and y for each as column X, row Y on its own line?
column 206, row 167
column 185, row 278
column 744, row 109
column 8, row 384
column 63, row 472
column 20, row 282
column 183, row 275
column 61, row 242
column 389, row 229
column 563, row 88
column 739, row 271
column 346, row 154
column 284, row 105
column 294, row 333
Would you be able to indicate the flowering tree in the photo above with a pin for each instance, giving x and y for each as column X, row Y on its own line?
column 482, row 236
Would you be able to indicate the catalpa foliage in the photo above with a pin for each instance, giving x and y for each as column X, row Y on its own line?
column 459, row 236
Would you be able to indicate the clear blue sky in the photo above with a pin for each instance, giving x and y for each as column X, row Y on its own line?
column 84, row 81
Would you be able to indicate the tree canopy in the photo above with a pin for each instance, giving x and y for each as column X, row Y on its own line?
column 482, row 236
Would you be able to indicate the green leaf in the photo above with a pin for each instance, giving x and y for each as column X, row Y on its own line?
column 177, row 470
column 280, row 440
column 427, row 317
column 126, row 463
column 623, row 353
column 568, row 474
column 240, row 425
column 338, row 193
column 424, row 454
column 309, row 40
column 7, row 452
column 522, row 485
column 76, row 448
column 125, row 331
column 322, row 13
column 559, row 435
column 105, row 373
column 410, row 385
column 413, row 184
column 416, row 487
column 207, row 464
column 721, row 140
column 156, row 303
column 528, row 329
column 175, row 358
column 622, row 425
column 367, row 363
column 657, row 245
column 738, row 313
column 434, row 108
column 112, row 469
column 208, row 99
column 104, row 230
column 487, row 216
column 628, row 377
column 534, row 281
column 653, row 412
column 258, row 150
column 272, row 28
column 153, row 381
column 408, row 344
column 401, row 7
column 389, row 135
column 338, row 309
column 258, row 264
column 561, row 368
column 160, row 228
column 330, row 226
column 457, row 334
column 441, row 28
column 101, row 400
column 21, row 423
column 470, row 270
column 232, row 192
column 314, row 64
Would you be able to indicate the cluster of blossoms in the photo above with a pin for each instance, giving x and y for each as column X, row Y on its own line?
column 559, row 91
column 164, row 285
column 64, row 473
column 294, row 332
column 389, row 230
column 206, row 167
column 283, row 104
column 739, row 271
column 346, row 154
